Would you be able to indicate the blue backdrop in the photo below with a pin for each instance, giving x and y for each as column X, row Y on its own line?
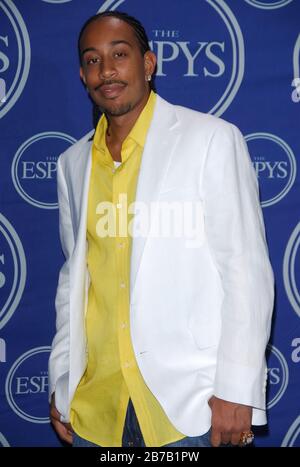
column 238, row 59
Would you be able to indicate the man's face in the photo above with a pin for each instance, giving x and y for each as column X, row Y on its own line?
column 113, row 68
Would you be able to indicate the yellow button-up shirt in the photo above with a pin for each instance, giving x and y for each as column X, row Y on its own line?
column 99, row 406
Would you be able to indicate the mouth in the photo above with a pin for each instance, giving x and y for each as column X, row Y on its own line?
column 111, row 90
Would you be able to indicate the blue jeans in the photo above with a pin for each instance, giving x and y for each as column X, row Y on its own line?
column 132, row 436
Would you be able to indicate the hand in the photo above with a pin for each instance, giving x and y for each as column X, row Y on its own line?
column 64, row 430
column 228, row 421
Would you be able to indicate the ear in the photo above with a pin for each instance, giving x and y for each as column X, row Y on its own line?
column 149, row 62
column 81, row 72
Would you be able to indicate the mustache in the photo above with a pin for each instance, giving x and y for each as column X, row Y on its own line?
column 109, row 82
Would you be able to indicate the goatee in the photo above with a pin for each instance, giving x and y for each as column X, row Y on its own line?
column 116, row 111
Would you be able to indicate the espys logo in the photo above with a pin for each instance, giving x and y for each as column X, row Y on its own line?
column 27, row 380
column 291, row 269
column 206, row 56
column 292, row 437
column 33, row 168
column 14, row 55
column 278, row 375
column 3, row 441
column 275, row 166
column 12, row 270
column 268, row 5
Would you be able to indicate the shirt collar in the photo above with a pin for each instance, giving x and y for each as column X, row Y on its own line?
column 141, row 126
column 139, row 131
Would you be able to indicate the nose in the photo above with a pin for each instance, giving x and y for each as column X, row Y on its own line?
column 107, row 69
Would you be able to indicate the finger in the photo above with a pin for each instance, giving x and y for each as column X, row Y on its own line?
column 211, row 401
column 69, row 427
column 62, row 431
column 54, row 413
column 235, row 438
column 215, row 438
column 225, row 438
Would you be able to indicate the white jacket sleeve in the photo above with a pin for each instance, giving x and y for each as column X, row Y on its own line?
column 59, row 358
column 235, row 232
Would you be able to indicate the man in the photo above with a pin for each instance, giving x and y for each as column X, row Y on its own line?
column 160, row 338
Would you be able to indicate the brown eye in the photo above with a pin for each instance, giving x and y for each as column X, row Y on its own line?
column 120, row 54
column 92, row 61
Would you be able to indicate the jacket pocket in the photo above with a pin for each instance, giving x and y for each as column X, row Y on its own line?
column 205, row 333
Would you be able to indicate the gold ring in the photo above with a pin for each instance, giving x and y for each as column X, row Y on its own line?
column 247, row 437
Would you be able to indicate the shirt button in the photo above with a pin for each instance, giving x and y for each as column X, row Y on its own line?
column 113, row 170
column 126, row 364
column 121, row 244
column 123, row 325
column 122, row 285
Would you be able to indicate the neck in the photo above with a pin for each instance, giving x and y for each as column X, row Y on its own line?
column 119, row 127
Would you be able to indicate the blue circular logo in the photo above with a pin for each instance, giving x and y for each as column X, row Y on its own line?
column 3, row 441
column 275, row 166
column 292, row 437
column 268, row 5
column 27, row 380
column 12, row 270
column 278, row 375
column 206, row 56
column 33, row 168
column 14, row 56
column 56, row 1
column 296, row 58
column 291, row 269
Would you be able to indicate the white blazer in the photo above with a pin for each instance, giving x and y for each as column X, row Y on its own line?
column 199, row 317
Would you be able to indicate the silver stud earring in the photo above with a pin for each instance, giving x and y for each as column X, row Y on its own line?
column 148, row 78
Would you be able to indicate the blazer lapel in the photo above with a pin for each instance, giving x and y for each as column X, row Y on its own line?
column 161, row 142
column 81, row 187
column 81, row 168
column 86, row 170
column 79, row 177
